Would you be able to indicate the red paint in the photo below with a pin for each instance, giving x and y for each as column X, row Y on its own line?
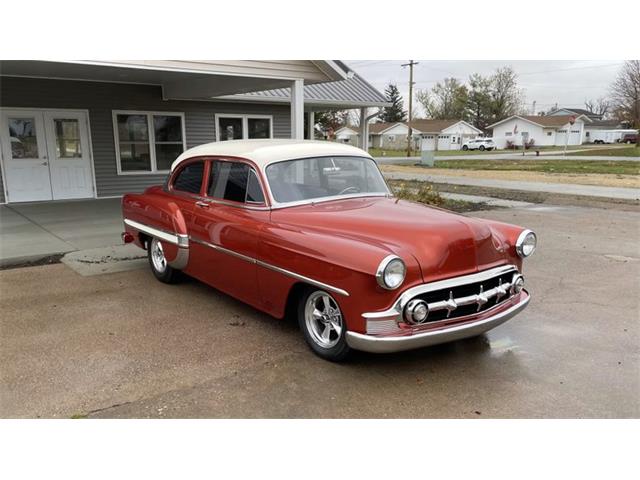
column 339, row 243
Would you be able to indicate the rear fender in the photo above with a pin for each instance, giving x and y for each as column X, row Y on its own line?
column 148, row 216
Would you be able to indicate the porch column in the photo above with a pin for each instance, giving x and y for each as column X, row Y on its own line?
column 364, row 139
column 311, row 120
column 297, row 109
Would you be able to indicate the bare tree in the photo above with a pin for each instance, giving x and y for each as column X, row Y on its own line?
column 506, row 97
column 601, row 106
column 447, row 100
column 625, row 94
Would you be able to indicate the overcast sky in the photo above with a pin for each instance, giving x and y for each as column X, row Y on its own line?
column 566, row 82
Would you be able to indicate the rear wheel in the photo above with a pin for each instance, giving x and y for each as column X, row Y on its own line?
column 323, row 325
column 481, row 148
column 158, row 262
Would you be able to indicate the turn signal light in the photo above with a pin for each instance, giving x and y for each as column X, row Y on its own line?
column 127, row 237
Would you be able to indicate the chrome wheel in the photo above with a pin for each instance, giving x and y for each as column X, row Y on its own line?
column 157, row 256
column 323, row 319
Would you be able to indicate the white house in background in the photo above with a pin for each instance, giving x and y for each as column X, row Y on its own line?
column 347, row 135
column 547, row 130
column 444, row 134
column 441, row 134
column 576, row 112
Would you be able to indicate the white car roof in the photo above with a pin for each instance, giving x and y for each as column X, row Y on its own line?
column 264, row 152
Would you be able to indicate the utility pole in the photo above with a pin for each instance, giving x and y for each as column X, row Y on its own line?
column 409, row 134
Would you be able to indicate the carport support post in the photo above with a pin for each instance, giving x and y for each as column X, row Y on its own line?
column 297, row 109
column 311, row 127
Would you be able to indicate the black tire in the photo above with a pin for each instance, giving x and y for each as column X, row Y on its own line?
column 166, row 274
column 336, row 349
column 465, row 148
column 481, row 148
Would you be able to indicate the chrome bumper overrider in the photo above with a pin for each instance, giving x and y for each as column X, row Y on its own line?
column 387, row 344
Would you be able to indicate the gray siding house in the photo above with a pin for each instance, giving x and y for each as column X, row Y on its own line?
column 100, row 129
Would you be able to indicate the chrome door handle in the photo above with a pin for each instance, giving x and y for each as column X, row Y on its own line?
column 202, row 204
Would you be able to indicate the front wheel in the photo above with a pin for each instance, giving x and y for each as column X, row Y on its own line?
column 482, row 148
column 158, row 262
column 465, row 148
column 323, row 325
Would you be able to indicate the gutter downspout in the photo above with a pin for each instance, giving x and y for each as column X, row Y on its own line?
column 364, row 128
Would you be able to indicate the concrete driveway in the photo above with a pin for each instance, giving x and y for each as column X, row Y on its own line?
column 30, row 231
column 125, row 345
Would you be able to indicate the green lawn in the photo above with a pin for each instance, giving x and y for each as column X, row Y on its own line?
column 631, row 151
column 547, row 166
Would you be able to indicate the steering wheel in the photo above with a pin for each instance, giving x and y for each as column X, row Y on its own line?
column 352, row 188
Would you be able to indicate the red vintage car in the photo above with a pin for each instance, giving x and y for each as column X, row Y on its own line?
column 311, row 229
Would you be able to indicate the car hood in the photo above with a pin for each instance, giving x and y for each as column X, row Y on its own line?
column 444, row 243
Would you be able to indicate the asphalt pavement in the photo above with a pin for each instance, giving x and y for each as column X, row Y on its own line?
column 124, row 345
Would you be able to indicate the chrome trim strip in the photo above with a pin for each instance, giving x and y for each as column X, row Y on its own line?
column 178, row 239
column 369, row 343
column 303, row 278
column 277, row 205
column 297, row 276
column 224, row 250
column 181, row 260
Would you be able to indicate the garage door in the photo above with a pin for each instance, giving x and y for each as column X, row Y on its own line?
column 428, row 143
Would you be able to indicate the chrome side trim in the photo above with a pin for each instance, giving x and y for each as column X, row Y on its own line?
column 224, row 250
column 178, row 239
column 374, row 344
column 302, row 278
column 289, row 273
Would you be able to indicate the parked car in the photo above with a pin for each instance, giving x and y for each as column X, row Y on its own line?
column 310, row 229
column 479, row 144
column 629, row 138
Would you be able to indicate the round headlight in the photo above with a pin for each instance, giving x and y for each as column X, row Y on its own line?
column 391, row 272
column 526, row 243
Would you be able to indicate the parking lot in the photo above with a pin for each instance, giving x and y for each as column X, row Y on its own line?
column 125, row 345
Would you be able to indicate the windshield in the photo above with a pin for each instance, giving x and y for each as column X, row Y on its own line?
column 318, row 177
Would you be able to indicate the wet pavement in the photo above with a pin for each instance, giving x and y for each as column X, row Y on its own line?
column 125, row 345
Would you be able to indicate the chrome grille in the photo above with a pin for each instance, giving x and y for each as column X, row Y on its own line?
column 468, row 299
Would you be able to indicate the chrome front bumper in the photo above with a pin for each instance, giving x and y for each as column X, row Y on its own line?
column 387, row 344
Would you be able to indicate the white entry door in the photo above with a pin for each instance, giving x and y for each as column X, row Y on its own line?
column 24, row 151
column 46, row 155
column 69, row 159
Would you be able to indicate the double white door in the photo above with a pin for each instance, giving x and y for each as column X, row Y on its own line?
column 46, row 155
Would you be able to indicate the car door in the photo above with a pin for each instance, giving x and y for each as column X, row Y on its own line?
column 225, row 229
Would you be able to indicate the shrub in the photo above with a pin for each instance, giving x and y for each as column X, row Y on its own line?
column 423, row 193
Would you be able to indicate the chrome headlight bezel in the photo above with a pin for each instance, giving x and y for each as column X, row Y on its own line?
column 520, row 243
column 381, row 273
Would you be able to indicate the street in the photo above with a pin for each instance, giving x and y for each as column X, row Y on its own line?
column 125, row 345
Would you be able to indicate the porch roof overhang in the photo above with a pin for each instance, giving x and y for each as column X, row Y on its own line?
column 185, row 80
column 350, row 93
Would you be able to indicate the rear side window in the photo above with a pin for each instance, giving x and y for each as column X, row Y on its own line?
column 189, row 179
column 234, row 181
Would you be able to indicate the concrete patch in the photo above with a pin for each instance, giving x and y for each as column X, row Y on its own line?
column 102, row 260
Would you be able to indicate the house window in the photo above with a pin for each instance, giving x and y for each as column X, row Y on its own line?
column 242, row 127
column 507, row 134
column 549, row 134
column 392, row 138
column 147, row 142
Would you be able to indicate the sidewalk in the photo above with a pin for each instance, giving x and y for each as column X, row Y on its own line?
column 506, row 156
column 561, row 188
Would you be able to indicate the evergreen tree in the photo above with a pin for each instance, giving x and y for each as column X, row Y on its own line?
column 394, row 113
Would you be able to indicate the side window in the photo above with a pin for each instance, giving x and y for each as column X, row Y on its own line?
column 234, row 181
column 189, row 179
